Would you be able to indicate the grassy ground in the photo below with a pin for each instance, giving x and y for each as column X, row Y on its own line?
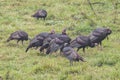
column 78, row 17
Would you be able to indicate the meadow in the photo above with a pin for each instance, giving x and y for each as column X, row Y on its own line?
column 75, row 15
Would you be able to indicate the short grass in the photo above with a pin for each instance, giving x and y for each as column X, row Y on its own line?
column 78, row 18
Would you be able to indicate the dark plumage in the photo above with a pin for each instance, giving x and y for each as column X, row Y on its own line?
column 19, row 36
column 54, row 45
column 47, row 40
column 43, row 35
column 65, row 37
column 81, row 42
column 54, row 35
column 99, row 34
column 70, row 54
column 57, row 43
column 62, row 37
column 40, row 14
column 45, row 44
column 37, row 41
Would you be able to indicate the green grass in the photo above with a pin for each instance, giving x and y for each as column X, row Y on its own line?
column 78, row 17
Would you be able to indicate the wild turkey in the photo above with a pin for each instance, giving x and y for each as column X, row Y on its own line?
column 55, row 35
column 71, row 54
column 45, row 44
column 19, row 36
column 58, row 42
column 54, row 45
column 40, row 14
column 47, row 40
column 99, row 34
column 37, row 41
column 45, row 34
column 81, row 42
column 63, row 37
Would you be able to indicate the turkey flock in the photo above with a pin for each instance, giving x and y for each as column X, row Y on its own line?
column 50, row 42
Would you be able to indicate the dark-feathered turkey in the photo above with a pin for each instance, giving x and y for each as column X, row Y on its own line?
column 81, row 42
column 37, row 41
column 63, row 37
column 19, row 36
column 99, row 34
column 54, row 45
column 40, row 14
column 71, row 54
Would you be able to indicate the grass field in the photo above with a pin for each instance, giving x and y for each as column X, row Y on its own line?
column 78, row 18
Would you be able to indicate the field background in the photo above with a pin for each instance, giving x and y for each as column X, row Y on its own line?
column 75, row 15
